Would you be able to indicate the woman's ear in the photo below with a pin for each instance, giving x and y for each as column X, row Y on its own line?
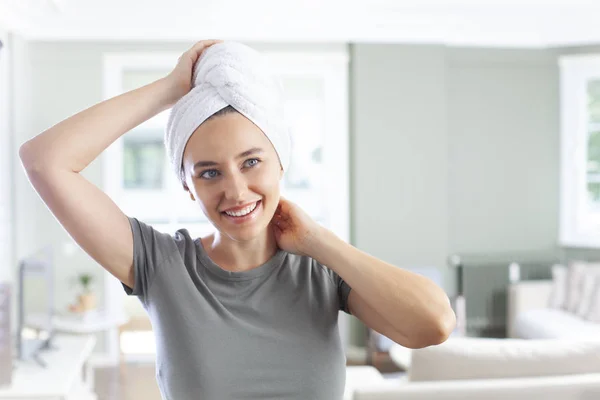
column 187, row 189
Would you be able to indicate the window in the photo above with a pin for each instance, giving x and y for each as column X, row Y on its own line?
column 593, row 145
column 143, row 157
column 580, row 151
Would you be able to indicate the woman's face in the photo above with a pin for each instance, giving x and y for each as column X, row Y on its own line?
column 233, row 172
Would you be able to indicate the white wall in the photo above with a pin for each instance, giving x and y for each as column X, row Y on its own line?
column 399, row 153
column 503, row 136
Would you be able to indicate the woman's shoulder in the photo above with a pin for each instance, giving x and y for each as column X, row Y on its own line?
column 186, row 243
column 317, row 269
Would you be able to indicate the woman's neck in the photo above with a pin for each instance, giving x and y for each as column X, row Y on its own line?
column 237, row 256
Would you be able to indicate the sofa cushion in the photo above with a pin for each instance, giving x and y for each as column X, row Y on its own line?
column 558, row 296
column 593, row 314
column 546, row 323
column 575, row 279
column 484, row 358
column 588, row 288
column 588, row 293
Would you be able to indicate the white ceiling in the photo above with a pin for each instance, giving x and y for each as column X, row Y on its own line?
column 457, row 23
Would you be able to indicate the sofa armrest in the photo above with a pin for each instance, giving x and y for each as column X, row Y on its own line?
column 525, row 296
column 360, row 376
column 582, row 386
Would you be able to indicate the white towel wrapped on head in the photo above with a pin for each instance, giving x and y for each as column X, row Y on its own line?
column 229, row 74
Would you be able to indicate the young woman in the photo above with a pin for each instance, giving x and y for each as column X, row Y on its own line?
column 250, row 311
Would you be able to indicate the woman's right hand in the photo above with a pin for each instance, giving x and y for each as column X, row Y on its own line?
column 180, row 79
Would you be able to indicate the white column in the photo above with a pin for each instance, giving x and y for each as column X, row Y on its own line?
column 6, row 160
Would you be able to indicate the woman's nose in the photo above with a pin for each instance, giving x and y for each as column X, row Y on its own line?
column 235, row 187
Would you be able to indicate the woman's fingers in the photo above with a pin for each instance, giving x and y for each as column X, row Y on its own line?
column 193, row 54
column 200, row 46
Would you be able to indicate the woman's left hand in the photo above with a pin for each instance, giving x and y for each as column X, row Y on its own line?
column 295, row 231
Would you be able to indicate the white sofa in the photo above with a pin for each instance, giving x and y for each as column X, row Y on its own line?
column 478, row 368
column 543, row 359
column 529, row 317
column 575, row 387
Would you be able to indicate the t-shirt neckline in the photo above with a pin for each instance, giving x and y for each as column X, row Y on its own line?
column 213, row 267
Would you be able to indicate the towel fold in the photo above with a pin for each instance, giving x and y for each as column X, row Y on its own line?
column 229, row 74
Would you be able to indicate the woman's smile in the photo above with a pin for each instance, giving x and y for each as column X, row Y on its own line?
column 246, row 214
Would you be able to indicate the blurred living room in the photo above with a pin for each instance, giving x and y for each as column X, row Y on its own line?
column 456, row 139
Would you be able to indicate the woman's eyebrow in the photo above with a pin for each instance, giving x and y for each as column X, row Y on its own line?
column 254, row 150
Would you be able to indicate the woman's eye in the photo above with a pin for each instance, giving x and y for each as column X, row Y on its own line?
column 209, row 174
column 252, row 162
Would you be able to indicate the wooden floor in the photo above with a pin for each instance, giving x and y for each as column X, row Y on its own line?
column 132, row 382
column 138, row 381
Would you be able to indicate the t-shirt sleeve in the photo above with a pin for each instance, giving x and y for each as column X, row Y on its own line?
column 150, row 249
column 343, row 290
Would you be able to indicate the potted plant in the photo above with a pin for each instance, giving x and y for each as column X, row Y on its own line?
column 87, row 298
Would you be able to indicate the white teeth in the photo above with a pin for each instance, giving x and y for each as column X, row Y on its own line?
column 242, row 212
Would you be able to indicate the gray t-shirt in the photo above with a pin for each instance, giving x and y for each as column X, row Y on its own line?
column 268, row 333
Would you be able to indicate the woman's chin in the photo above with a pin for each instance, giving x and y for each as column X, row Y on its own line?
column 245, row 234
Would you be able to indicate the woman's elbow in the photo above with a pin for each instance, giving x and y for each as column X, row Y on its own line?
column 437, row 330
column 444, row 326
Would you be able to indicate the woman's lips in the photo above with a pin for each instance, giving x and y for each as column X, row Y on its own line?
column 245, row 218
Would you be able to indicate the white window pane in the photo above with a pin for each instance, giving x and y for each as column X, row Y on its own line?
column 134, row 78
column 594, row 100
column 304, row 107
column 593, row 147
column 148, row 205
column 138, row 342
column 143, row 163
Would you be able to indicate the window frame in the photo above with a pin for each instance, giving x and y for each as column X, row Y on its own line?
column 579, row 224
